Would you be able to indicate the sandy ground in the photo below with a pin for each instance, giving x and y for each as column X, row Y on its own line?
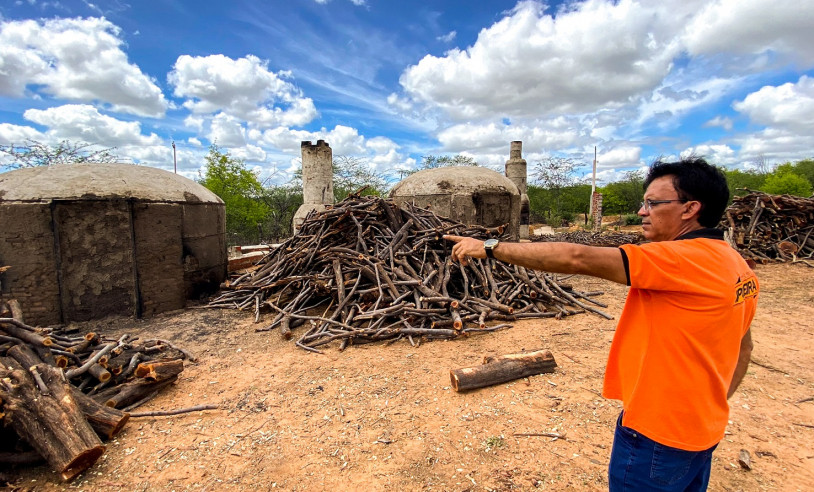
column 383, row 416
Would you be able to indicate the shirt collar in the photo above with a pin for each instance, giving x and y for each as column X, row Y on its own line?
column 705, row 232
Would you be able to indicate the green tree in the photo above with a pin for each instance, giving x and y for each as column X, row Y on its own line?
column 741, row 181
column 283, row 202
column 34, row 153
column 805, row 168
column 624, row 196
column 786, row 182
column 241, row 192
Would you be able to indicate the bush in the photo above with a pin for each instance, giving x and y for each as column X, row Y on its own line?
column 630, row 219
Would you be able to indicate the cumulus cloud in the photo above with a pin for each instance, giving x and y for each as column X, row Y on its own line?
column 18, row 134
column 77, row 60
column 789, row 106
column 84, row 123
column 753, row 27
column 543, row 135
column 719, row 154
column 619, row 157
column 242, row 88
column 531, row 63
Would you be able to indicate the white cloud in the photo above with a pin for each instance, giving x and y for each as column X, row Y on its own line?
column 595, row 55
column 789, row 106
column 194, row 141
column 243, row 88
column 77, row 60
column 83, row 123
column 753, row 27
column 619, row 157
column 720, row 121
column 448, row 37
column 227, row 131
column 720, row 154
column 18, row 135
column 543, row 135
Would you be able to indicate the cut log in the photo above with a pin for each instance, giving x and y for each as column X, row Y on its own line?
column 503, row 368
column 106, row 421
column 52, row 424
column 133, row 391
column 160, row 370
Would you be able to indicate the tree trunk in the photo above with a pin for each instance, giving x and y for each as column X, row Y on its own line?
column 50, row 422
column 106, row 421
column 502, row 368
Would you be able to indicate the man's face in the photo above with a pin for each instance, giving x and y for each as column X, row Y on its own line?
column 663, row 222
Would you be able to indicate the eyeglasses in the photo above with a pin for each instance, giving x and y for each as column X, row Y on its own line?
column 649, row 204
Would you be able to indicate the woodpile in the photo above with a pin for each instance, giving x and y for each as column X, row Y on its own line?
column 766, row 228
column 63, row 393
column 367, row 270
column 606, row 238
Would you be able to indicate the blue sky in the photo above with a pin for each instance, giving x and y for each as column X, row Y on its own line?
column 391, row 81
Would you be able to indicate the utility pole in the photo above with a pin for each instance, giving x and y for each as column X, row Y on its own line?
column 175, row 159
column 593, row 187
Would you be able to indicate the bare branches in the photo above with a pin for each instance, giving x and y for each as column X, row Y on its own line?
column 34, row 153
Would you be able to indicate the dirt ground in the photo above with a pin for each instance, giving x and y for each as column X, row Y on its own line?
column 383, row 416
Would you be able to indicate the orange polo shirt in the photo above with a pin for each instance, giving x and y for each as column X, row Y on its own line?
column 676, row 346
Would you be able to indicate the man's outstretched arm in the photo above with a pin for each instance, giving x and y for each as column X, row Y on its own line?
column 599, row 262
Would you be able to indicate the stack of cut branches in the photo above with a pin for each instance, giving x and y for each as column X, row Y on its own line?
column 62, row 392
column 607, row 238
column 367, row 270
column 766, row 228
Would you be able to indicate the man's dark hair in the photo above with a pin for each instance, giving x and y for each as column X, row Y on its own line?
column 695, row 180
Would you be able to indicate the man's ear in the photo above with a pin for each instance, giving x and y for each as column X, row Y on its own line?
column 692, row 209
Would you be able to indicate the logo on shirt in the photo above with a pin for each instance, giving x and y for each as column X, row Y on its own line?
column 744, row 289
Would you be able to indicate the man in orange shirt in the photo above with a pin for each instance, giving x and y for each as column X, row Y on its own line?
column 682, row 344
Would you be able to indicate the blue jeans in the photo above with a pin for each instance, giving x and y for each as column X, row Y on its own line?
column 638, row 463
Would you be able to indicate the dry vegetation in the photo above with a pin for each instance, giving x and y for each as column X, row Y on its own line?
column 383, row 417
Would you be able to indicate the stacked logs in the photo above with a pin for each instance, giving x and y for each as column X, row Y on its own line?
column 367, row 270
column 766, row 228
column 605, row 239
column 62, row 393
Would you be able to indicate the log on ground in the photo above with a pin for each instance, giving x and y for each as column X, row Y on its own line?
column 501, row 369
column 51, row 423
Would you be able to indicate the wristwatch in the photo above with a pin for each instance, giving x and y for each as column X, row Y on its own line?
column 489, row 245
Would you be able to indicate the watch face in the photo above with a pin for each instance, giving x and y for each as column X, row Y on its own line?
column 490, row 243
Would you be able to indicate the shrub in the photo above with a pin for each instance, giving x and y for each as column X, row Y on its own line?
column 630, row 219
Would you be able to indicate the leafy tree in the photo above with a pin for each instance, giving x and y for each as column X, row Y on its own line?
column 242, row 193
column 741, row 181
column 788, row 183
column 35, row 153
column 805, row 168
column 282, row 202
column 623, row 197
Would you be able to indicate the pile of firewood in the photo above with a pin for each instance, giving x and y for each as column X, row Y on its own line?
column 62, row 392
column 606, row 238
column 766, row 228
column 366, row 270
